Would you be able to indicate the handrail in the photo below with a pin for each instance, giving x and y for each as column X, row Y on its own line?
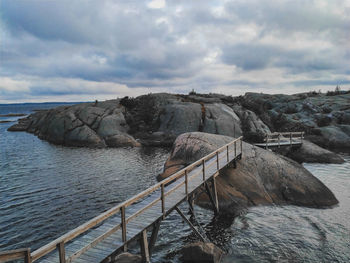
column 276, row 137
column 23, row 253
column 59, row 242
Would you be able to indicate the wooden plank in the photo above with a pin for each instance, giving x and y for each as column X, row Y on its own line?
column 14, row 254
column 144, row 247
column 154, row 236
column 61, row 252
column 176, row 194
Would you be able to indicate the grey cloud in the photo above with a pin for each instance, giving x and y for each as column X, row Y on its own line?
column 125, row 42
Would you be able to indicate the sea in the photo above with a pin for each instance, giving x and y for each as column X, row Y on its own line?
column 47, row 190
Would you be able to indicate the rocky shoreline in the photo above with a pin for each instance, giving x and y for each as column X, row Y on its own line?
column 197, row 124
column 157, row 119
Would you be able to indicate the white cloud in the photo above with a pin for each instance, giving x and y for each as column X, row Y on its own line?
column 64, row 49
column 156, row 4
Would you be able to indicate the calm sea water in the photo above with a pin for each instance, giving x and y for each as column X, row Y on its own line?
column 46, row 190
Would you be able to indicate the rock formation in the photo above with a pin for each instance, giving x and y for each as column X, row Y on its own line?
column 261, row 177
column 200, row 252
column 157, row 119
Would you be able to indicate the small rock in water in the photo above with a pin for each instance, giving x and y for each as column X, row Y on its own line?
column 202, row 253
column 128, row 258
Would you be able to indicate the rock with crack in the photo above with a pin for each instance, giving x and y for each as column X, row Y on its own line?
column 87, row 124
column 261, row 177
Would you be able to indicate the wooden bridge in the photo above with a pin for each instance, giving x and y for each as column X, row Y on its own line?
column 278, row 139
column 105, row 236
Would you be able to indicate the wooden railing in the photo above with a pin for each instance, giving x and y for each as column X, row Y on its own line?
column 284, row 136
column 15, row 255
column 60, row 242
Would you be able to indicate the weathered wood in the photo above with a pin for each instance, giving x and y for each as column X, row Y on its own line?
column 216, row 200
column 211, row 197
column 144, row 247
column 163, row 200
column 123, row 227
column 142, row 211
column 154, row 236
column 15, row 254
column 61, row 252
column 203, row 169
column 190, row 224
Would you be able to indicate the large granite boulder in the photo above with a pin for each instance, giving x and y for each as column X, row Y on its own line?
column 311, row 153
column 324, row 117
column 127, row 257
column 261, row 177
column 98, row 124
column 331, row 136
column 201, row 252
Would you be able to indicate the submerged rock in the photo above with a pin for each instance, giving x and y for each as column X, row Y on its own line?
column 261, row 177
column 201, row 252
column 127, row 258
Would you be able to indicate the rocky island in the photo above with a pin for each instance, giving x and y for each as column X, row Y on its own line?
column 157, row 119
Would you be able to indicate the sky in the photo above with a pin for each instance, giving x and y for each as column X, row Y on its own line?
column 82, row 50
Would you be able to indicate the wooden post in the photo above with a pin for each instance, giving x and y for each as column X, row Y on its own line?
column 215, row 194
column 217, row 161
column 27, row 257
column 235, row 149
column 203, row 164
column 154, row 236
column 228, row 158
column 163, row 200
column 211, row 198
column 61, row 252
column 279, row 140
column 123, row 228
column 186, row 184
column 241, row 147
column 290, row 135
column 144, row 247
column 190, row 204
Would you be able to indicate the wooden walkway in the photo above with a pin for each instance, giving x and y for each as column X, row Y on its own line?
column 103, row 237
column 280, row 139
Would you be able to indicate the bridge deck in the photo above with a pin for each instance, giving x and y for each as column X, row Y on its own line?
column 103, row 240
column 276, row 144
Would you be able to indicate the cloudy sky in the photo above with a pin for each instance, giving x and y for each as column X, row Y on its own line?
column 79, row 50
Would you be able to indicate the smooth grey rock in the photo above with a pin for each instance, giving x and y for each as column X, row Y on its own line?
column 89, row 114
column 202, row 253
column 121, row 140
column 181, row 117
column 127, row 257
column 312, row 153
column 221, row 119
column 332, row 137
column 112, row 125
column 83, row 136
column 261, row 177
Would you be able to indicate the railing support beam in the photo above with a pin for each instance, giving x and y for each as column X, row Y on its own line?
column 144, row 247
column 154, row 236
column 125, row 248
column 212, row 200
column 61, row 252
column 190, row 224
